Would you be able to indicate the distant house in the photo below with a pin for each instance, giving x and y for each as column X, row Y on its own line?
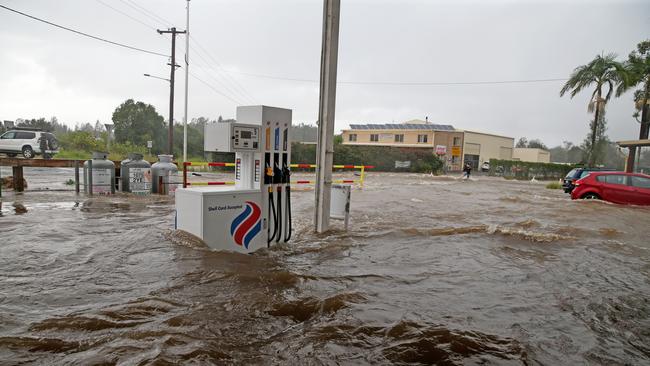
column 455, row 147
column 532, row 155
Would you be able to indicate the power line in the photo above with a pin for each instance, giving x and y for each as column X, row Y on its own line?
column 83, row 34
column 402, row 83
column 126, row 15
column 235, row 88
column 217, row 81
column 148, row 13
column 213, row 88
column 208, row 68
column 241, row 89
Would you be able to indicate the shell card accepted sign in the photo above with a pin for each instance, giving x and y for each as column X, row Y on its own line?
column 455, row 151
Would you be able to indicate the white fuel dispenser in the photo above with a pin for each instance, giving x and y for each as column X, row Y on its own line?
column 256, row 211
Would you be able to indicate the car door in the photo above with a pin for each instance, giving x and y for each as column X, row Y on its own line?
column 615, row 188
column 7, row 141
column 641, row 187
column 25, row 138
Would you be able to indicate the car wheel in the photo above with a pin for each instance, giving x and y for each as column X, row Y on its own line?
column 590, row 196
column 28, row 153
column 11, row 155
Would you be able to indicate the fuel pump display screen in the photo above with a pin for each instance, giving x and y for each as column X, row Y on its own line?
column 245, row 138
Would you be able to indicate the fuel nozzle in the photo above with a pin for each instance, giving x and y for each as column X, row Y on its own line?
column 286, row 174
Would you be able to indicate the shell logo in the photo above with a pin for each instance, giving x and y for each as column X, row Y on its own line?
column 247, row 224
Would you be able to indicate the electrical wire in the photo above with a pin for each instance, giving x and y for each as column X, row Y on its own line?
column 402, row 83
column 235, row 87
column 126, row 15
column 213, row 88
column 82, row 33
column 242, row 90
column 229, row 83
column 207, row 68
column 149, row 14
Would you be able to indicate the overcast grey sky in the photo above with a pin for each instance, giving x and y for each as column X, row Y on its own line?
column 45, row 71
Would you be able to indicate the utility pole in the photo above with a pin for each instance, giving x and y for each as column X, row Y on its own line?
column 187, row 68
column 173, row 32
column 326, row 108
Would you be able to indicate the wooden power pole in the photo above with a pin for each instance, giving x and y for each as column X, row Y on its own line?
column 326, row 108
column 170, row 142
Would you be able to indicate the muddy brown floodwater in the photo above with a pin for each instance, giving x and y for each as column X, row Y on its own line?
column 432, row 271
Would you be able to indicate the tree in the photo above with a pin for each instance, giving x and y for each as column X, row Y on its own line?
column 40, row 123
column 597, row 152
column 637, row 72
column 98, row 129
column 603, row 71
column 537, row 144
column 532, row 144
column 522, row 142
column 137, row 123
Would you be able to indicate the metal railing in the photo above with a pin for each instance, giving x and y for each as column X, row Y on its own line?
column 360, row 181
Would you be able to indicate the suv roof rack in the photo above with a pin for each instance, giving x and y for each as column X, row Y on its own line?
column 28, row 129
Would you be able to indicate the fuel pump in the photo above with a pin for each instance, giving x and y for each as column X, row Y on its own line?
column 256, row 211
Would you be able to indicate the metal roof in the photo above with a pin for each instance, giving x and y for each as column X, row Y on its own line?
column 629, row 143
column 403, row 126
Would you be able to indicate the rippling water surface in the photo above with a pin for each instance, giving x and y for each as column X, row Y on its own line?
column 432, row 271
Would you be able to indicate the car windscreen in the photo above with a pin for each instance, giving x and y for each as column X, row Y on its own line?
column 571, row 173
column 584, row 173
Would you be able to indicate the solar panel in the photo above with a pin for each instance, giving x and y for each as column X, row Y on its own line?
column 402, row 126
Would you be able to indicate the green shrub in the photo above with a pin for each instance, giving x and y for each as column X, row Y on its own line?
column 526, row 170
column 554, row 185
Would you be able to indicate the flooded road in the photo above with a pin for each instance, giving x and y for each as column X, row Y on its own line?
column 433, row 271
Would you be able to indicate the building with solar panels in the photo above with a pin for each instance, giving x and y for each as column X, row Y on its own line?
column 455, row 147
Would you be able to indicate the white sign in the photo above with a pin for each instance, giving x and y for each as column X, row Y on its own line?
column 441, row 149
column 101, row 181
column 402, row 164
column 149, row 144
column 140, row 180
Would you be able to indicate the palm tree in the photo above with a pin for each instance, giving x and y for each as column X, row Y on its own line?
column 637, row 72
column 603, row 72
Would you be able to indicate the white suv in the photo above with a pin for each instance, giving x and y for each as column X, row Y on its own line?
column 29, row 143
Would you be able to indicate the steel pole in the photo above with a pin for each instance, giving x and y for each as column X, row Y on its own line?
column 187, row 67
column 326, row 108
column 170, row 138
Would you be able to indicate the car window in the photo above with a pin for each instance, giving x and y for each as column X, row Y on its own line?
column 612, row 179
column 571, row 173
column 25, row 135
column 640, row 182
column 8, row 135
column 584, row 173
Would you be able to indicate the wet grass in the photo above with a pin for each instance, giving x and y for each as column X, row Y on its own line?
column 554, row 185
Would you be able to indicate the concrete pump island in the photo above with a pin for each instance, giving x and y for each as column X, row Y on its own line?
column 261, row 143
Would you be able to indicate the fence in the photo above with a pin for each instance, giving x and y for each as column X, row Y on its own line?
column 360, row 181
column 526, row 170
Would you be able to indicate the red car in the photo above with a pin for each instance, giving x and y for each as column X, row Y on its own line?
column 617, row 187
